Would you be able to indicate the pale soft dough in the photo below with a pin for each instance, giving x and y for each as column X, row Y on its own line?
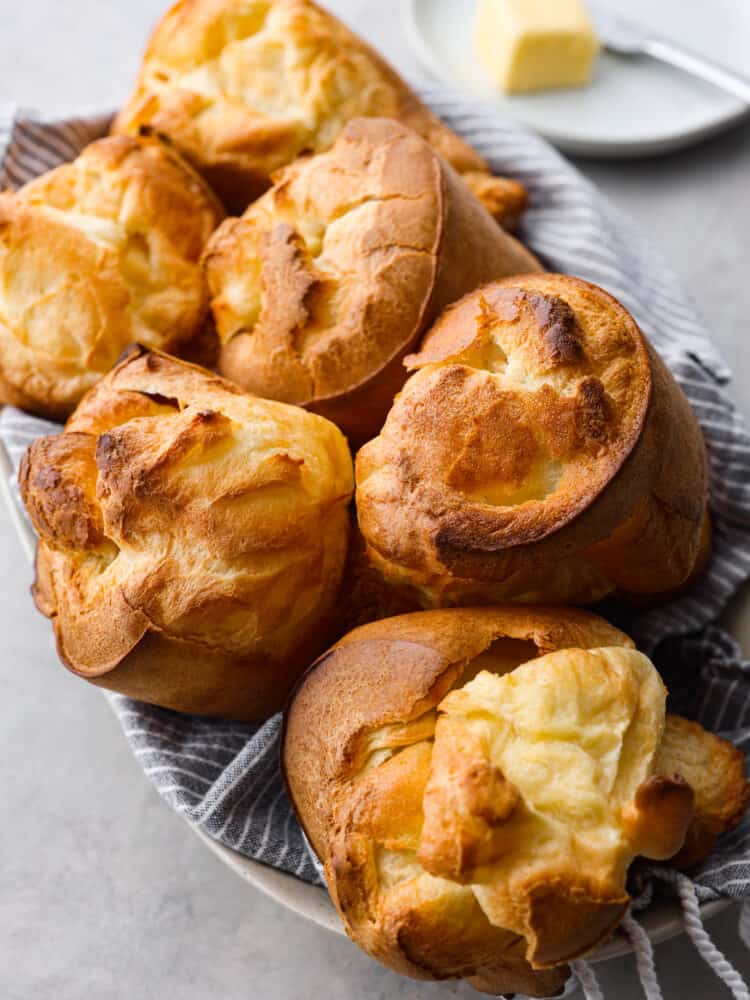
column 96, row 255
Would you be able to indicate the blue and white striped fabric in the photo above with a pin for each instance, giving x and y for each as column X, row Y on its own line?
column 224, row 777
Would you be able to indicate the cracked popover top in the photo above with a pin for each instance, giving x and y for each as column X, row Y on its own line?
column 326, row 281
column 243, row 87
column 96, row 255
column 192, row 538
column 476, row 782
column 541, row 451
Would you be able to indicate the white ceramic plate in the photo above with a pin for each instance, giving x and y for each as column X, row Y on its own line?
column 633, row 107
column 663, row 919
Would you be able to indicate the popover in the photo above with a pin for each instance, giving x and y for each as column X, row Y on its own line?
column 476, row 782
column 326, row 281
column 243, row 87
column 96, row 255
column 540, row 452
column 192, row 538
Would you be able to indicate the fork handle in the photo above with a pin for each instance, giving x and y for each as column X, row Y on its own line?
column 720, row 76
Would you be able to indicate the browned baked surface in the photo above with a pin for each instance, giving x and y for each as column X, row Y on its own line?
column 95, row 255
column 715, row 769
column 192, row 538
column 365, row 596
column 243, row 88
column 326, row 281
column 413, row 747
column 540, row 452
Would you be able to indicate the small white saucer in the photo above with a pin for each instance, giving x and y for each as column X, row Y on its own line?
column 633, row 107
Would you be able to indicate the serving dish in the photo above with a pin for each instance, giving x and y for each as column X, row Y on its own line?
column 39, row 487
column 662, row 920
column 632, row 107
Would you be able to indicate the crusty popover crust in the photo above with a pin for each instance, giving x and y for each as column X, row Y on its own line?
column 541, row 452
column 192, row 538
column 96, row 255
column 243, row 87
column 332, row 276
column 476, row 782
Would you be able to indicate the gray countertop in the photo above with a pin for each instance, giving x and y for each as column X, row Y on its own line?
column 105, row 893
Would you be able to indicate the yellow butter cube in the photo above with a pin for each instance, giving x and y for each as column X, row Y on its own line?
column 528, row 45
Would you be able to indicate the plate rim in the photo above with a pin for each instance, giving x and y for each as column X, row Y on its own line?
column 313, row 902
column 601, row 149
column 662, row 921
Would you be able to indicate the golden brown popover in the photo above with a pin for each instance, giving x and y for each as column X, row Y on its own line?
column 95, row 255
column 192, row 538
column 243, row 87
column 326, row 281
column 541, row 452
column 476, row 782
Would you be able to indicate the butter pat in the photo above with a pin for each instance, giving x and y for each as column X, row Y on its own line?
column 530, row 45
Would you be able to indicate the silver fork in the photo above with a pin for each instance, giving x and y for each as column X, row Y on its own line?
column 626, row 38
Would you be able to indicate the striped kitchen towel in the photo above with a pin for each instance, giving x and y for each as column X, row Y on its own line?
column 224, row 777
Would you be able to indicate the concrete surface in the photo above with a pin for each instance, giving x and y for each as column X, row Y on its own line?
column 104, row 893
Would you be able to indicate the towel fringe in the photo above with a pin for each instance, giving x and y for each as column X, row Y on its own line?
column 698, row 934
column 644, row 957
column 587, row 980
